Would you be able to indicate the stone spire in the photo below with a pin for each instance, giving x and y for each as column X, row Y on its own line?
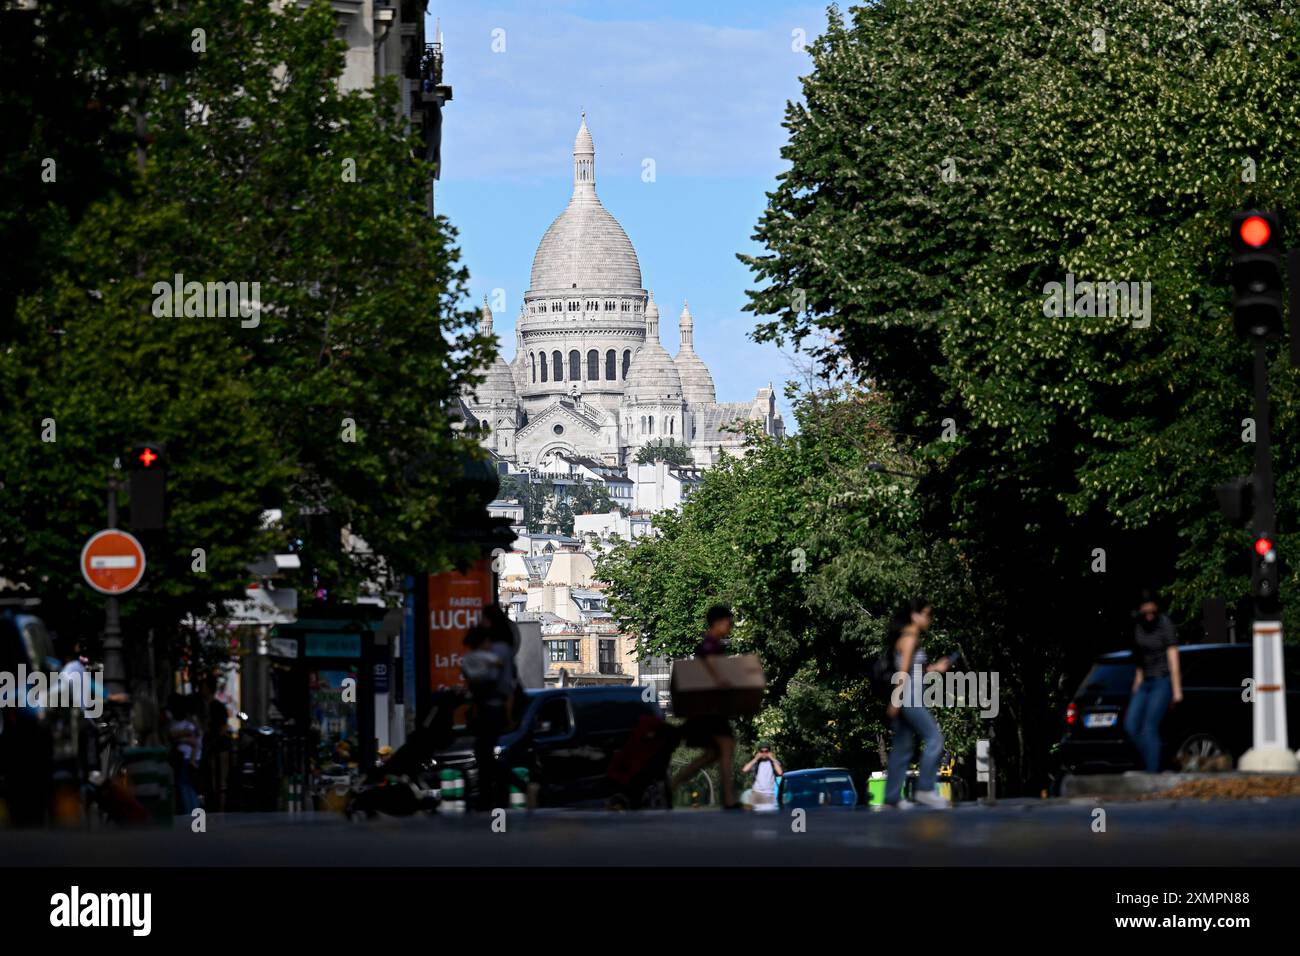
column 485, row 319
column 686, row 326
column 697, row 382
column 584, row 163
column 651, row 319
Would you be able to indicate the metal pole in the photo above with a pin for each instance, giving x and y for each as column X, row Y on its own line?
column 114, row 667
column 1270, row 752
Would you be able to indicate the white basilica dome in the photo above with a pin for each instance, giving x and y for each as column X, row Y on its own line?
column 585, row 247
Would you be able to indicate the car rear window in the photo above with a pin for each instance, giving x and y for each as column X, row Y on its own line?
column 1107, row 678
column 1217, row 667
column 838, row 789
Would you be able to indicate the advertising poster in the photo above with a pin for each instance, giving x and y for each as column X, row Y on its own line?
column 456, row 602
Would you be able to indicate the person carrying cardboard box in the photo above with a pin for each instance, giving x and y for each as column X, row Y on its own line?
column 713, row 731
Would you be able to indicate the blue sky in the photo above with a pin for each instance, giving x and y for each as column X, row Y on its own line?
column 699, row 88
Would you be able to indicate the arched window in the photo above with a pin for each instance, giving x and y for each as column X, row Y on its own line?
column 670, row 426
column 593, row 365
column 652, row 424
column 627, row 361
column 611, row 365
column 557, row 366
column 642, row 424
column 542, row 356
column 575, row 366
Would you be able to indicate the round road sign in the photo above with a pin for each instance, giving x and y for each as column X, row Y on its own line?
column 112, row 562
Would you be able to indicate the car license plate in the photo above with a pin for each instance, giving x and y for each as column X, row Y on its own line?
column 1100, row 720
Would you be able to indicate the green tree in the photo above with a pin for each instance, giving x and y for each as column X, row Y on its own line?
column 332, row 401
column 950, row 161
column 72, row 78
column 671, row 451
column 533, row 495
column 814, row 551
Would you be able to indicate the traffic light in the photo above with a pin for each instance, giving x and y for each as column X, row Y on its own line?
column 475, row 483
column 1237, row 499
column 1263, row 579
column 148, row 466
column 1256, row 276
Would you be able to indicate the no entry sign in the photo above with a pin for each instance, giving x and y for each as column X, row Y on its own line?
column 112, row 562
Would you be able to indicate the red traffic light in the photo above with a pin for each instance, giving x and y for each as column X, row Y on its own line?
column 1263, row 546
column 1255, row 231
column 147, row 457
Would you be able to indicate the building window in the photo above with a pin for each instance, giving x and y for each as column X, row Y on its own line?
column 533, row 358
column 627, row 361
column 593, row 365
column 575, row 366
column 608, row 664
column 542, row 356
column 562, row 652
column 652, row 424
column 611, row 365
column 558, row 429
column 670, row 426
column 573, row 306
column 557, row 366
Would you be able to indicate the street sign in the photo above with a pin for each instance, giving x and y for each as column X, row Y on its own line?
column 112, row 562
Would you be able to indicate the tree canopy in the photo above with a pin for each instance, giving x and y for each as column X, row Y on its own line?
column 331, row 399
column 814, row 551
column 948, row 163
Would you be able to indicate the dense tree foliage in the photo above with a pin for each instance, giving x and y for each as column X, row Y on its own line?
column 814, row 551
column 70, row 73
column 950, row 161
column 330, row 402
column 671, row 451
column 547, row 510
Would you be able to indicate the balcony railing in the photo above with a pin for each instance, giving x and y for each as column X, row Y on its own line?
column 610, row 667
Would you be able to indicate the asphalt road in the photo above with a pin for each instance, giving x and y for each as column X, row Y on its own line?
column 1031, row 832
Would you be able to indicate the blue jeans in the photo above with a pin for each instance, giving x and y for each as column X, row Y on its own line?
column 188, row 796
column 1142, row 722
column 910, row 724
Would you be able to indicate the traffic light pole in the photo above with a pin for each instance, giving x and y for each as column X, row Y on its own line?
column 114, row 666
column 1271, row 752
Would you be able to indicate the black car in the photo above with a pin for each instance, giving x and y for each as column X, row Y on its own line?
column 26, row 732
column 1212, row 722
column 566, row 738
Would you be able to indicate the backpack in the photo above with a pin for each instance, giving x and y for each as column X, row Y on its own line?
column 481, row 668
column 883, row 669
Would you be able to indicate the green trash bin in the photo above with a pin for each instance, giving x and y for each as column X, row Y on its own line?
column 149, row 775
column 876, row 788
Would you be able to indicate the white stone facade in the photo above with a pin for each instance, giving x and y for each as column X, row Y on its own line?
column 590, row 376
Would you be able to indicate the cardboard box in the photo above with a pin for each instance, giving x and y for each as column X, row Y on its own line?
column 738, row 693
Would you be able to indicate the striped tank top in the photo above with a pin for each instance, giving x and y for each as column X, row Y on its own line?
column 912, row 693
